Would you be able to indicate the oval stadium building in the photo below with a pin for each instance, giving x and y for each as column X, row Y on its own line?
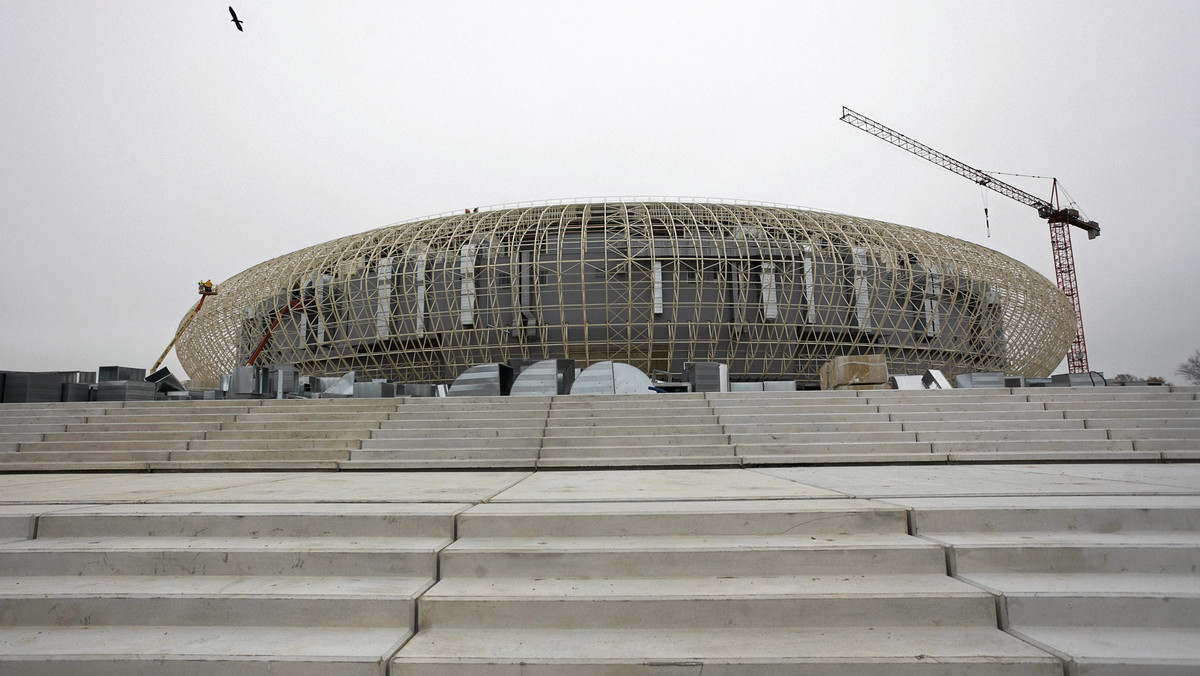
column 774, row 292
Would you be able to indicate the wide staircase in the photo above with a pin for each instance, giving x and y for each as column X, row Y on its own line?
column 971, row 532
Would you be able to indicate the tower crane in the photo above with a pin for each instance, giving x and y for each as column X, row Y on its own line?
column 1058, row 217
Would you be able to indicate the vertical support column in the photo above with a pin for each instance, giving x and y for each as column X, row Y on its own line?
column 466, row 296
column 933, row 293
column 658, row 287
column 862, row 289
column 810, row 286
column 383, row 298
column 419, row 285
column 770, row 300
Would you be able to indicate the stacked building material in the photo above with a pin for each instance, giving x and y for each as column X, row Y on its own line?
column 855, row 372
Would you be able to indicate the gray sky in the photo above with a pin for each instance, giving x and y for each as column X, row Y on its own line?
column 145, row 145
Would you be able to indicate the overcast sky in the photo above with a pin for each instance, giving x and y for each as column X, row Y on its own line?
column 146, row 145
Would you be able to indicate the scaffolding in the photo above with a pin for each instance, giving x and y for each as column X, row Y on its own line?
column 772, row 291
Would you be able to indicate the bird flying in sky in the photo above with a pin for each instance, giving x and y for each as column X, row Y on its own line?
column 236, row 21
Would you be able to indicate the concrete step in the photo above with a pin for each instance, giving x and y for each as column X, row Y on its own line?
column 63, row 459
column 788, row 437
column 480, row 433
column 93, row 446
column 363, row 426
column 195, row 427
column 908, row 397
column 213, row 600
column 1165, row 554
column 594, row 438
column 157, row 418
column 788, row 427
column 179, row 651
column 165, row 414
column 329, row 431
column 1104, row 610
column 802, row 395
column 514, row 405
column 1042, row 445
column 598, row 454
column 677, row 603
column 850, row 450
column 253, row 520
column 986, row 425
column 240, row 556
column 740, row 517
column 478, row 457
column 1191, row 407
column 1137, row 423
column 359, row 407
column 690, row 556
column 700, row 458
column 635, row 427
column 830, row 651
column 1036, row 436
column 450, row 443
column 48, row 419
column 694, row 413
column 240, row 444
column 1068, row 514
column 96, row 463
column 1119, row 650
column 445, row 423
column 1171, row 449
column 1032, row 416
column 263, row 457
column 88, row 436
column 629, row 403
column 795, row 410
column 1097, row 395
column 16, row 437
column 940, row 406
column 1192, row 433
column 759, row 418
column 276, row 421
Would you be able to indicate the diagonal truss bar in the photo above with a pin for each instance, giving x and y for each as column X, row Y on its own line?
column 942, row 160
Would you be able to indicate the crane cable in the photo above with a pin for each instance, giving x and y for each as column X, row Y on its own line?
column 986, row 222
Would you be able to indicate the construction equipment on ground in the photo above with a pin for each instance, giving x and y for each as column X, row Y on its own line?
column 206, row 289
column 1057, row 216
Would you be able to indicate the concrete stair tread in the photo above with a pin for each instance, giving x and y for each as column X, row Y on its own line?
column 1121, row 650
column 645, row 544
column 833, row 447
column 759, row 418
column 602, row 452
column 207, row 586
column 249, row 520
column 1076, row 539
column 582, row 589
column 1087, row 584
column 755, row 648
column 113, row 445
column 1032, row 445
column 161, row 648
column 648, row 461
column 660, row 519
column 800, row 436
column 101, row 543
column 1057, row 424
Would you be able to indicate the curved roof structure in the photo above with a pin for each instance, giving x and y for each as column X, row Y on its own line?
column 772, row 291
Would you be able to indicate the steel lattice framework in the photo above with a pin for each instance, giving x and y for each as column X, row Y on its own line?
column 774, row 292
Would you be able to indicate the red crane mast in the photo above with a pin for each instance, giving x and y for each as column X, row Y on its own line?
column 1058, row 218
